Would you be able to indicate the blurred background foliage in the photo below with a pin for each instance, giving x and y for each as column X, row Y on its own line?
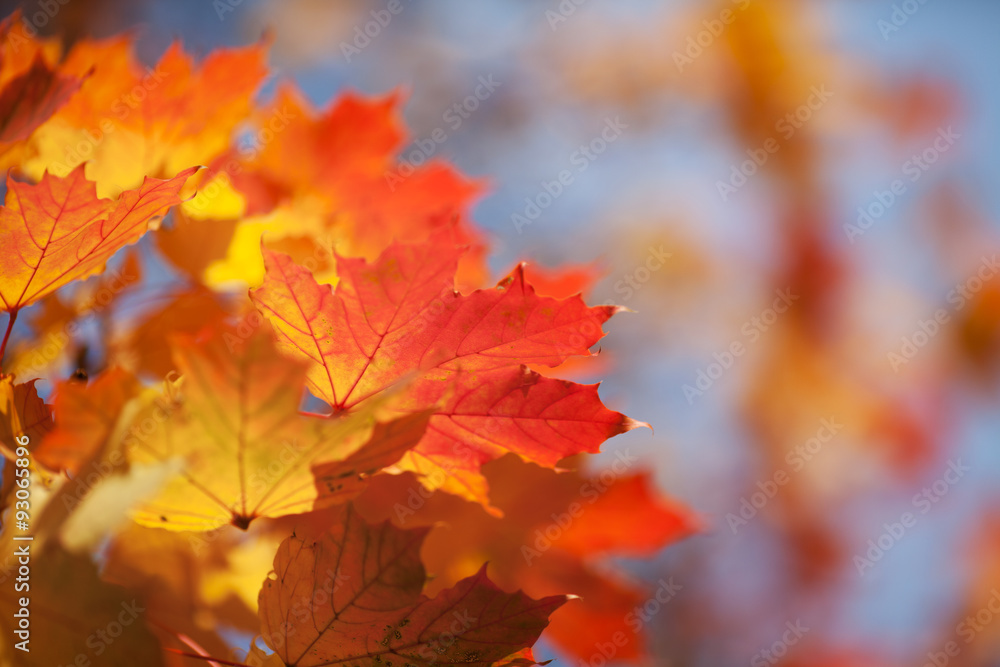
column 757, row 146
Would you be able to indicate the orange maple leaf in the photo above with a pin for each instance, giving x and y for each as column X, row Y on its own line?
column 22, row 412
column 233, row 419
column 31, row 98
column 59, row 230
column 130, row 121
column 345, row 157
column 372, row 577
column 401, row 315
column 547, row 540
column 86, row 418
column 33, row 85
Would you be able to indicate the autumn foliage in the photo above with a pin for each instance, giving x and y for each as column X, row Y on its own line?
column 321, row 427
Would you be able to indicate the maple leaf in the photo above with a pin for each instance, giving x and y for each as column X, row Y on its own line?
column 186, row 313
column 547, row 540
column 106, row 505
column 564, row 282
column 299, row 223
column 22, row 412
column 420, row 377
column 18, row 49
column 479, row 417
column 80, row 510
column 31, row 98
column 33, row 86
column 192, row 245
column 345, row 158
column 234, row 419
column 86, row 416
column 59, row 230
column 402, row 315
column 372, row 612
column 630, row 518
column 340, row 481
column 162, row 118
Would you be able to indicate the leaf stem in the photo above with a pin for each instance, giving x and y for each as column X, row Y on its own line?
column 206, row 657
column 6, row 336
